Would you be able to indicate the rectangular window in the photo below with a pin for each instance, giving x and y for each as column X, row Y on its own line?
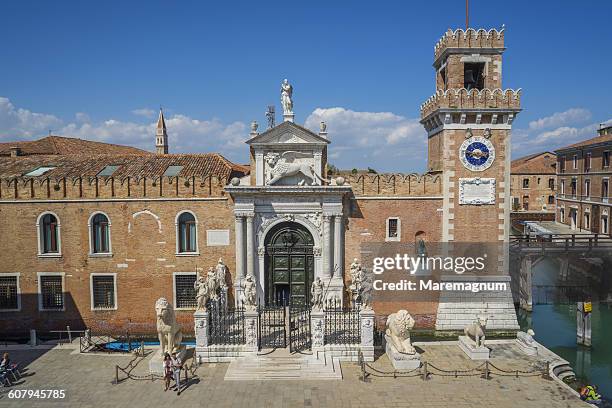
column 604, row 190
column 562, row 164
column 587, row 188
column 562, row 214
column 172, row 171
column 606, row 159
column 526, row 203
column 9, row 293
column 574, row 184
column 51, row 292
column 587, row 220
column 526, row 183
column 604, row 224
column 587, row 161
column 473, row 75
column 551, row 199
column 575, row 161
column 108, row 171
column 184, row 291
column 551, row 183
column 562, row 186
column 103, row 295
column 39, row 171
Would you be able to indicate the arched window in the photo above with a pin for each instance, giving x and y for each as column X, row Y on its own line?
column 100, row 234
column 48, row 231
column 187, row 233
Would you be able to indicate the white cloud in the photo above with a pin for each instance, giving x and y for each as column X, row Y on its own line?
column 21, row 124
column 559, row 119
column 144, row 112
column 382, row 140
column 186, row 135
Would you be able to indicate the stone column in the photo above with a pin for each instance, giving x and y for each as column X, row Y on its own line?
column 317, row 330
column 338, row 247
column 240, row 272
column 251, row 331
column 250, row 246
column 366, row 321
column 327, row 253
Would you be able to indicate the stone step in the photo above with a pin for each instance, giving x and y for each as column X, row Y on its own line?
column 281, row 366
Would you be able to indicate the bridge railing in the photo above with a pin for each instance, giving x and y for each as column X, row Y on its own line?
column 560, row 242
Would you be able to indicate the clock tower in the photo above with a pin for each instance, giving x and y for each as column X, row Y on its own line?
column 468, row 122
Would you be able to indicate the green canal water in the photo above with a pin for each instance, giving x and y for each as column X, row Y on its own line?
column 555, row 328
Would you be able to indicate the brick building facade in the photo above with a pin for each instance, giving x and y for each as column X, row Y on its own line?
column 95, row 239
column 583, row 183
column 533, row 180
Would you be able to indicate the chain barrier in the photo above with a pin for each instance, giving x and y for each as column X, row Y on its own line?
column 127, row 370
column 427, row 370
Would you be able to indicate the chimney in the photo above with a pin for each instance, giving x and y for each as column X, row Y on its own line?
column 15, row 151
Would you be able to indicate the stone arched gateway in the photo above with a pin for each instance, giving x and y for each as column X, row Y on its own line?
column 288, row 263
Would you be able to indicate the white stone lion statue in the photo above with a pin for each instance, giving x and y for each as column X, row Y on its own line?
column 476, row 330
column 282, row 165
column 399, row 325
column 168, row 330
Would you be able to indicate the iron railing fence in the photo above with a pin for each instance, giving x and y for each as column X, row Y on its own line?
column 226, row 324
column 341, row 324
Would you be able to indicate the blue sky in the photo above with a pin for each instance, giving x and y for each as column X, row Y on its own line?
column 100, row 70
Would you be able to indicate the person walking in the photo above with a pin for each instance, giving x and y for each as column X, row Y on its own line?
column 177, row 365
column 167, row 370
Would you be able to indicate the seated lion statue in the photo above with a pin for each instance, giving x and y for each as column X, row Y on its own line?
column 477, row 330
column 399, row 325
column 168, row 330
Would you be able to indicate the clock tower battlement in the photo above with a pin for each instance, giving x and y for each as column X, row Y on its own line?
column 468, row 121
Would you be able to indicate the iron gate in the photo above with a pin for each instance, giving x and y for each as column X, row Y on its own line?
column 299, row 328
column 272, row 326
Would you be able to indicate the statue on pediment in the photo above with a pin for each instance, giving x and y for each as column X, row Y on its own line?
column 286, row 97
column 283, row 165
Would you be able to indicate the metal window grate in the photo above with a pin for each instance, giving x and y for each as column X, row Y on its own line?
column 393, row 228
column 103, row 288
column 8, row 293
column 51, row 292
column 185, row 292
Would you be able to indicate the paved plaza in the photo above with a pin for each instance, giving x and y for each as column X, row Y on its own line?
column 88, row 382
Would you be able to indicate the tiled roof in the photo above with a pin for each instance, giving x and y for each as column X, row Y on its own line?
column 595, row 140
column 538, row 163
column 135, row 166
column 66, row 145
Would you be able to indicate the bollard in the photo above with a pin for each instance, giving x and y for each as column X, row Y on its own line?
column 486, row 370
column 116, row 374
column 69, row 335
column 425, row 371
column 32, row 337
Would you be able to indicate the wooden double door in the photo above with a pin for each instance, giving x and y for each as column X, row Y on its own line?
column 289, row 264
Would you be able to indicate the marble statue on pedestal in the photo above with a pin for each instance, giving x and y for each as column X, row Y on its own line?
column 365, row 291
column 473, row 343
column 201, row 293
column 398, row 329
column 316, row 291
column 356, row 273
column 168, row 330
column 476, row 331
column 399, row 349
column 211, row 283
column 286, row 97
column 248, row 298
column 526, row 342
column 220, row 274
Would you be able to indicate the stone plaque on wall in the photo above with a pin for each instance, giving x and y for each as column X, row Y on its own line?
column 477, row 191
column 217, row 237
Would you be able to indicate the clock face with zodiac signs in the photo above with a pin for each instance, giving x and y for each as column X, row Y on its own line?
column 477, row 153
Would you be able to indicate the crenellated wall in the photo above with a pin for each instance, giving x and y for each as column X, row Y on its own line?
column 473, row 99
column 469, row 38
column 413, row 185
column 26, row 188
